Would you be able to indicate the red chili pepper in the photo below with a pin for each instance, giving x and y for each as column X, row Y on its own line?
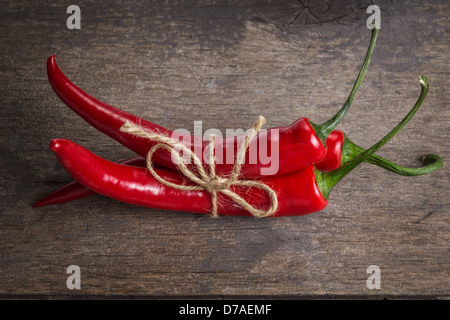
column 297, row 192
column 297, row 141
column 333, row 160
column 301, row 144
column 301, row 192
column 298, row 144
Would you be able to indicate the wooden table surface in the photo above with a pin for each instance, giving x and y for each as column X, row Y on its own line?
column 225, row 63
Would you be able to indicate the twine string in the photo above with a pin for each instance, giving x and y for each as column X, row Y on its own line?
column 203, row 180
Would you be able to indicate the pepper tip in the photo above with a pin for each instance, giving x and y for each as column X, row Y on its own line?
column 55, row 145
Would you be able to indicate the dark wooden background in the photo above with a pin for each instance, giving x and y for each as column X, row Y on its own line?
column 225, row 62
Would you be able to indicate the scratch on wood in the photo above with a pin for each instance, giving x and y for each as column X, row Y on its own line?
column 424, row 217
column 197, row 76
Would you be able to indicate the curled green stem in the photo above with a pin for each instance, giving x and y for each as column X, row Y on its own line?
column 431, row 162
column 326, row 181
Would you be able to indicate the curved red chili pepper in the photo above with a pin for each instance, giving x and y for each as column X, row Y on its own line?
column 298, row 193
column 298, row 144
column 74, row 190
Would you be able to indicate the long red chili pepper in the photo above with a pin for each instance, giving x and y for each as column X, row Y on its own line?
column 340, row 150
column 298, row 144
column 301, row 192
column 297, row 192
column 301, row 144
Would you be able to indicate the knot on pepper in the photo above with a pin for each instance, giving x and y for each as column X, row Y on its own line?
column 203, row 180
column 217, row 184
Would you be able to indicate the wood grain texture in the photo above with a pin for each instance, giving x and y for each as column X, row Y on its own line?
column 225, row 62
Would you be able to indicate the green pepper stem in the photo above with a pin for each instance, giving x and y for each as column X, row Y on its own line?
column 323, row 130
column 432, row 162
column 326, row 181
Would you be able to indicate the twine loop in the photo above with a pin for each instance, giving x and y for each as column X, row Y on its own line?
column 203, row 180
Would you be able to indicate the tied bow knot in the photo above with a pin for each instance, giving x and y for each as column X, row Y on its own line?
column 207, row 181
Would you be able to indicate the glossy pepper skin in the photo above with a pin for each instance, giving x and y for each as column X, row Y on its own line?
column 298, row 192
column 333, row 157
column 298, row 144
column 74, row 190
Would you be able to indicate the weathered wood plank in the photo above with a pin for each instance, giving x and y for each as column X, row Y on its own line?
column 225, row 63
